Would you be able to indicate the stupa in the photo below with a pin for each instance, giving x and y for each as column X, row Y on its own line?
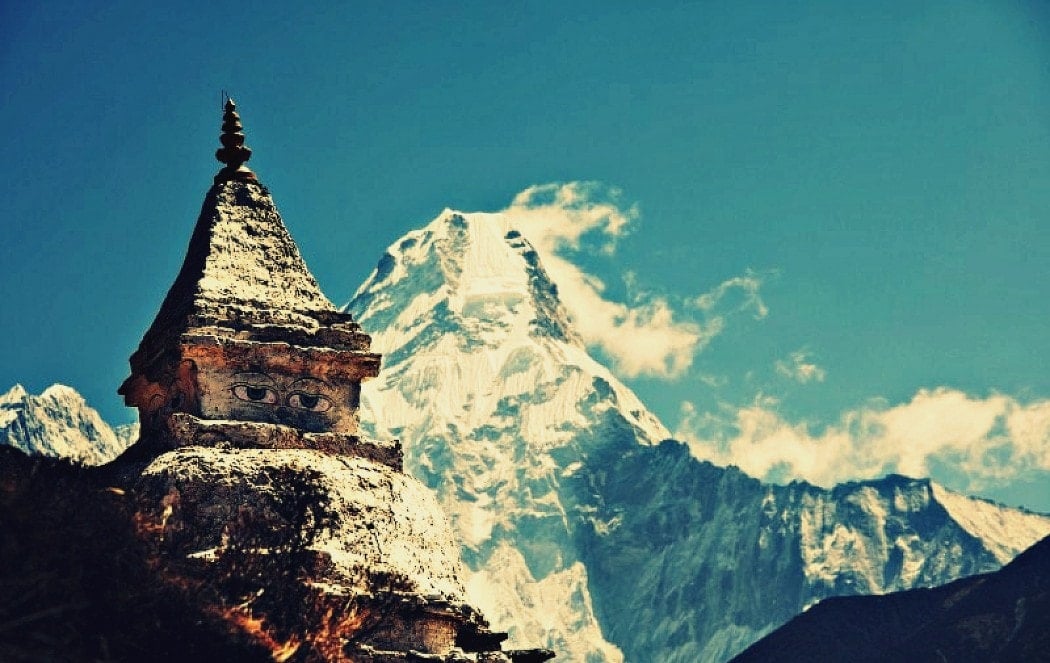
column 252, row 484
column 245, row 333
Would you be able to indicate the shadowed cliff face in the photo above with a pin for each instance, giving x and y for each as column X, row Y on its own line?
column 1001, row 616
column 713, row 559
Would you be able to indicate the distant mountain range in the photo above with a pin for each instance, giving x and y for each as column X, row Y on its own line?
column 585, row 529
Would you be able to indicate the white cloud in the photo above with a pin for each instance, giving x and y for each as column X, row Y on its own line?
column 647, row 335
column 988, row 440
column 799, row 368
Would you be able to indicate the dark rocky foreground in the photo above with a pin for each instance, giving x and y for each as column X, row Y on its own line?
column 1001, row 616
column 227, row 555
column 77, row 584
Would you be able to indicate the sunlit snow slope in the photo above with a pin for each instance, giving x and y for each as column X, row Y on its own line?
column 582, row 531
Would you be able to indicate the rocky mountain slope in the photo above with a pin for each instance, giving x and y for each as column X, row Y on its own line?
column 583, row 531
column 1000, row 616
column 713, row 559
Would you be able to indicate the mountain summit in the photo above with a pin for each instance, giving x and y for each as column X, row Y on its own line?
column 473, row 286
column 583, row 527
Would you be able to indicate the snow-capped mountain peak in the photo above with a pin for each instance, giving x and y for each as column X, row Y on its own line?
column 567, row 503
column 480, row 268
column 495, row 398
column 471, row 285
column 14, row 395
column 59, row 422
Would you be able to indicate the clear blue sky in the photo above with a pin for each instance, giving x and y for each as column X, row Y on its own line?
column 883, row 166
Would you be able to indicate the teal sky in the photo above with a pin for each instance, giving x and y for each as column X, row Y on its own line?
column 882, row 168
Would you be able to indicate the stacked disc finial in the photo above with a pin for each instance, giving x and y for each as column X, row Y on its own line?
column 233, row 152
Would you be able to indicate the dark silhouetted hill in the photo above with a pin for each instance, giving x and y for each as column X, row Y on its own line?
column 1000, row 616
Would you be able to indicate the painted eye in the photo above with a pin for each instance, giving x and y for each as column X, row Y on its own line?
column 255, row 394
column 312, row 402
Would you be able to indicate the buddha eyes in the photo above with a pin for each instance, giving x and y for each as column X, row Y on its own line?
column 255, row 394
column 312, row 402
column 299, row 400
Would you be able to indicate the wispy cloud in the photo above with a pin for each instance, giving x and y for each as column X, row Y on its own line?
column 800, row 368
column 649, row 334
column 988, row 440
column 747, row 285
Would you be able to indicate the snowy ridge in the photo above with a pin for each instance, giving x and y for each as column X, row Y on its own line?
column 59, row 422
column 1004, row 532
column 709, row 560
column 851, row 551
column 478, row 284
column 875, row 537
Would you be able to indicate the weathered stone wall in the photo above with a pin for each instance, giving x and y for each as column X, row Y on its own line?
column 430, row 634
column 368, row 516
column 314, row 390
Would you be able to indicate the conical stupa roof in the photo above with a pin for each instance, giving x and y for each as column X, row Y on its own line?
column 242, row 268
column 243, row 276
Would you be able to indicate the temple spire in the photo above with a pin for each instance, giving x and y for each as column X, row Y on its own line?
column 233, row 152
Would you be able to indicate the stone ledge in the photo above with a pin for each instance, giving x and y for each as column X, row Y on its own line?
column 374, row 655
column 187, row 430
